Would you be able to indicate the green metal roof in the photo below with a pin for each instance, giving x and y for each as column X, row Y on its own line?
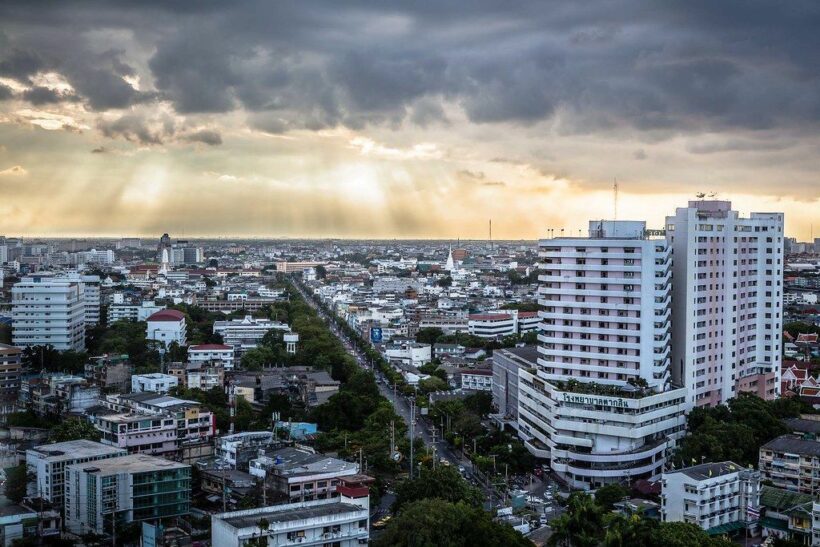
column 726, row 528
column 781, row 500
column 774, row 524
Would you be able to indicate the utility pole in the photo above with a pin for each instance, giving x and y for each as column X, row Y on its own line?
column 392, row 438
column 412, row 433
column 224, row 490
column 434, row 447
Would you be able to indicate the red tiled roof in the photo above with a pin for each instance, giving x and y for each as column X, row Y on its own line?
column 476, row 371
column 167, row 315
column 203, row 347
column 527, row 314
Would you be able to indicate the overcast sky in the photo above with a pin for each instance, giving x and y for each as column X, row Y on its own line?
column 402, row 119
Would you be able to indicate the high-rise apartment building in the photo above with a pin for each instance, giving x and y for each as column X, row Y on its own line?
column 727, row 294
column 91, row 296
column 48, row 310
column 599, row 402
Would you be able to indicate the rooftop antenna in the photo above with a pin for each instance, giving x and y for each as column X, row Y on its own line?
column 615, row 192
column 491, row 234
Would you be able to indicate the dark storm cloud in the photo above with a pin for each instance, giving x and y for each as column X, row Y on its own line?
column 669, row 67
column 19, row 64
column 5, row 92
column 44, row 95
column 133, row 128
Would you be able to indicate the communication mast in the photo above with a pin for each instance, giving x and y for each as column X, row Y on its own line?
column 615, row 196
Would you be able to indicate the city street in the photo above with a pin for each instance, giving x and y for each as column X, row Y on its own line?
column 422, row 428
column 401, row 404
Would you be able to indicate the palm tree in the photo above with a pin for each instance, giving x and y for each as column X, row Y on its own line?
column 581, row 526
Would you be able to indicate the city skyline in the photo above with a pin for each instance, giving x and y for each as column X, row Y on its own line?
column 400, row 121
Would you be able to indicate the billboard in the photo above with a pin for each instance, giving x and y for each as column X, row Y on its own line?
column 376, row 335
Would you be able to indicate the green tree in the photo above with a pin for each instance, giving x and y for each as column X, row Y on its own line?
column 433, row 522
column 606, row 496
column 443, row 482
column 17, row 479
column 735, row 431
column 480, row 403
column 429, row 335
column 177, row 353
column 433, row 383
column 581, row 526
column 73, row 429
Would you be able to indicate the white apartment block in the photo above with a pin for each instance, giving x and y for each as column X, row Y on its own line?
column 709, row 495
column 91, row 296
column 48, row 462
column 93, row 256
column 412, row 354
column 599, row 401
column 154, row 382
column 492, row 325
column 120, row 311
column 167, row 326
column 48, row 310
column 342, row 521
column 477, row 379
column 728, row 295
column 207, row 353
column 245, row 334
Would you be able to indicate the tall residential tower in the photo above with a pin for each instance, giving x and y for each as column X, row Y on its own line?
column 727, row 301
column 600, row 402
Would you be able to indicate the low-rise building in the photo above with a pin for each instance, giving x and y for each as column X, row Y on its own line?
column 48, row 462
column 299, row 474
column 409, row 353
column 493, row 325
column 133, row 488
column 11, row 367
column 156, row 424
column 786, row 514
column 478, row 379
column 342, row 521
column 154, row 382
column 245, row 334
column 714, row 496
column 137, row 433
column 231, row 448
column 122, row 311
column 167, row 327
column 792, row 462
column 204, row 376
column 205, row 353
column 447, row 350
column 111, row 373
column 21, row 523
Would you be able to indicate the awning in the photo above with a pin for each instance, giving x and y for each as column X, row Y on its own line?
column 775, row 524
column 726, row 528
